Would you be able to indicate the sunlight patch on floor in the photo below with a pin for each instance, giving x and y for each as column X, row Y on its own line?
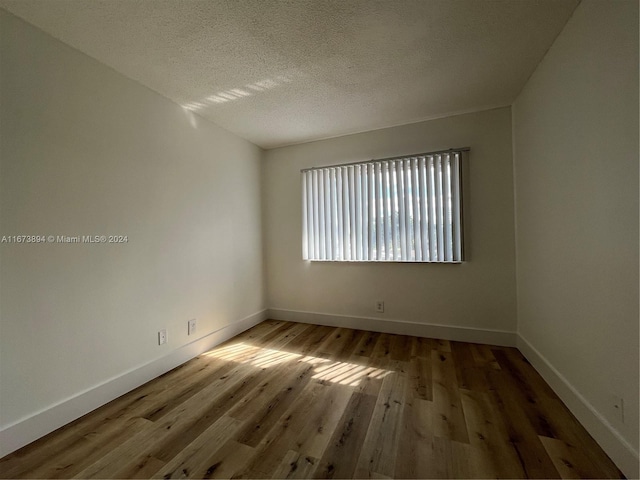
column 343, row 373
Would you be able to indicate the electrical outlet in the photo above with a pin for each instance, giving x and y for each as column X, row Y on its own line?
column 380, row 306
column 617, row 408
column 162, row 337
column 191, row 326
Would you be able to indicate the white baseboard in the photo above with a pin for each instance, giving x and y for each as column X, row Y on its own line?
column 611, row 441
column 25, row 431
column 399, row 327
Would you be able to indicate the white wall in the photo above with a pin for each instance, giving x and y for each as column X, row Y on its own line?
column 576, row 174
column 86, row 151
column 479, row 294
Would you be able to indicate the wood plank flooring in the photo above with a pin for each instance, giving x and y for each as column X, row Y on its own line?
column 290, row 400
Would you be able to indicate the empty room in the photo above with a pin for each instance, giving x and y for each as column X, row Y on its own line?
column 319, row 239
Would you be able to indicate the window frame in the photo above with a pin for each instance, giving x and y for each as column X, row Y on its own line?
column 370, row 190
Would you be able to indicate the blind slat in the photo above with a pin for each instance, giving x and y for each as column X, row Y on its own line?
column 334, row 215
column 388, row 246
column 448, row 233
column 439, row 209
column 314, row 205
column 401, row 213
column 433, row 229
column 352, row 214
column 424, row 219
column 380, row 225
column 395, row 222
column 359, row 207
column 457, row 213
column 417, row 228
column 408, row 210
column 310, row 209
column 365, row 212
column 372, row 213
column 305, row 221
column 339, row 214
column 327, row 216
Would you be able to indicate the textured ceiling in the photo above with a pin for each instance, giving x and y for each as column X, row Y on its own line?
column 283, row 72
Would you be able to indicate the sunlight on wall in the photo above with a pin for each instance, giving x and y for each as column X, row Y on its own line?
column 343, row 373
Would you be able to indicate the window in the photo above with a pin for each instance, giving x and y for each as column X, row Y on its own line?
column 405, row 209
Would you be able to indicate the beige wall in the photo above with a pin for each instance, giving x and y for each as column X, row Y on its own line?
column 576, row 175
column 87, row 151
column 477, row 294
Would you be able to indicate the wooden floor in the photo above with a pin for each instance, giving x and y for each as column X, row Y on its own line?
column 289, row 400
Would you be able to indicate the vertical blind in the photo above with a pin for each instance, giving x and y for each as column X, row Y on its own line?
column 402, row 210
